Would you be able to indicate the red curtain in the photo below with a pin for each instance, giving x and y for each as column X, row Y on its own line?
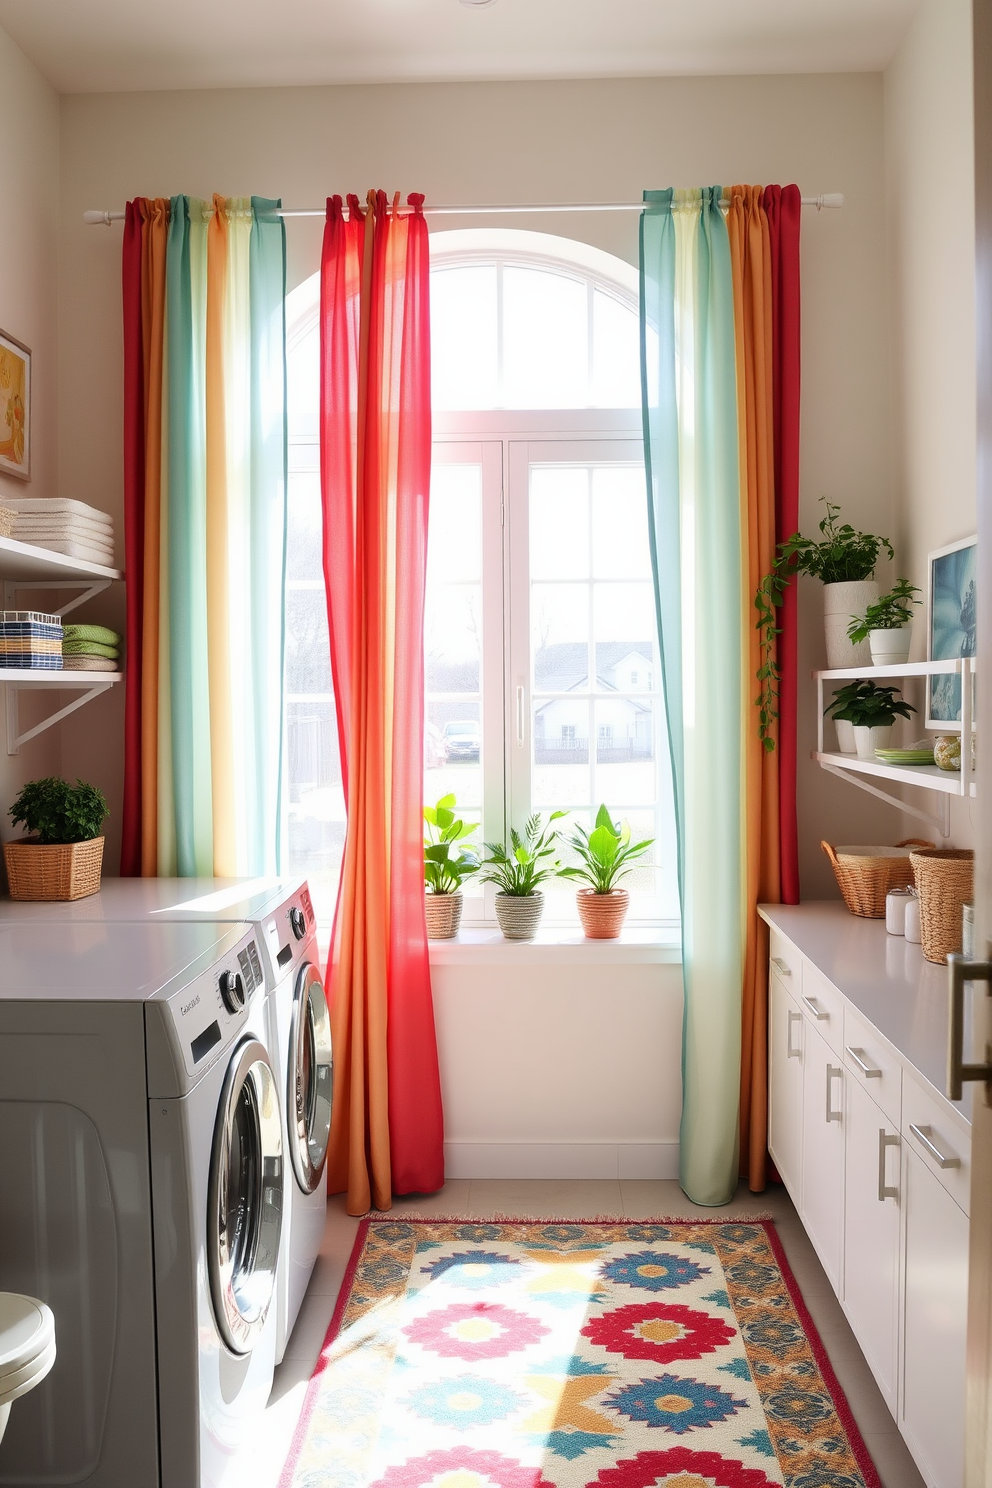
column 134, row 535
column 783, row 205
column 387, row 1127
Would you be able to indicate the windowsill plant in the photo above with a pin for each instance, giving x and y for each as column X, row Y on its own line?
column 518, row 874
column 446, row 866
column 844, row 561
column 887, row 625
column 62, row 857
column 606, row 855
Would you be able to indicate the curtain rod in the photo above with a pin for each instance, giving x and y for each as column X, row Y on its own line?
column 828, row 199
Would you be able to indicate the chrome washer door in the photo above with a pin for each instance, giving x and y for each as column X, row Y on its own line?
column 311, row 1078
column 244, row 1204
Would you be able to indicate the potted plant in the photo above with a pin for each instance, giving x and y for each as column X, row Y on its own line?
column 446, row 866
column 62, row 857
column 839, row 709
column 873, row 712
column 518, row 873
column 607, row 854
column 888, row 625
column 844, row 561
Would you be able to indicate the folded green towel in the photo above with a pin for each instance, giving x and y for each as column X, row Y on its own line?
column 89, row 648
column 91, row 633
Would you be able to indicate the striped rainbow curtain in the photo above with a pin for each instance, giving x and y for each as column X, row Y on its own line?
column 205, row 532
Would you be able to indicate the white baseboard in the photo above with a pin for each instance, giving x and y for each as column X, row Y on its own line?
column 561, row 1160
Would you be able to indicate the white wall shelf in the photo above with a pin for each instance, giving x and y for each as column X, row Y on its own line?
column 23, row 566
column 856, row 770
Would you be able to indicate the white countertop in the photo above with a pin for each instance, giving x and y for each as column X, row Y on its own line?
column 886, row 978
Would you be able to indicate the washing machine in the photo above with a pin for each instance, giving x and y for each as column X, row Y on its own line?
column 299, row 1034
column 141, row 1198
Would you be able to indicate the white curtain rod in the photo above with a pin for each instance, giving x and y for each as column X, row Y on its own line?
column 828, row 199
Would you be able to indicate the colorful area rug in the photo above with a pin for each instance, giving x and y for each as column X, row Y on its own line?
column 553, row 1355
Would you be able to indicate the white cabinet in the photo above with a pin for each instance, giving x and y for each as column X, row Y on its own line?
column 935, row 1326
column 785, row 1086
column 871, row 1236
column 822, row 1207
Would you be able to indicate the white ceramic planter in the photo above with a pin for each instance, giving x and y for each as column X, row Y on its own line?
column 867, row 740
column 845, row 736
column 890, row 647
column 840, row 603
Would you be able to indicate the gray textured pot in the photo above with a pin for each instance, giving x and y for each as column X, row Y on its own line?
column 518, row 915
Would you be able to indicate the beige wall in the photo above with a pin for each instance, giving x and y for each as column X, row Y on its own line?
column 929, row 159
column 600, row 140
column 29, row 209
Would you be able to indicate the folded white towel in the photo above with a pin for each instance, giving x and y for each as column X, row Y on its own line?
column 60, row 504
column 85, row 551
column 81, row 526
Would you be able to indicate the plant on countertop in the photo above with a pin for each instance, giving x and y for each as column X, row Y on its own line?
column 446, row 865
column 54, row 811
column 877, row 707
column 890, row 612
column 841, row 555
column 518, row 873
column 607, row 853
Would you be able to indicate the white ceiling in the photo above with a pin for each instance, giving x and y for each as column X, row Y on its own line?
column 85, row 46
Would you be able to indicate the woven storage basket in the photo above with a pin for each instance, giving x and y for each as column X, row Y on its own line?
column 866, row 874
column 443, row 915
column 47, row 870
column 7, row 520
column 944, row 882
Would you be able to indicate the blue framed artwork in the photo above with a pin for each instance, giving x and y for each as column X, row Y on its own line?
column 951, row 615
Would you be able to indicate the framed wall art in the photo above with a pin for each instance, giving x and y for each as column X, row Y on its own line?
column 951, row 618
column 15, row 408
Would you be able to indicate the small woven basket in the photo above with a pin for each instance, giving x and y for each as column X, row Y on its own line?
column 7, row 520
column 944, row 882
column 443, row 914
column 866, row 874
column 518, row 915
column 53, row 870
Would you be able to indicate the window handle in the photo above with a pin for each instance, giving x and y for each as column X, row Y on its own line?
column 520, row 715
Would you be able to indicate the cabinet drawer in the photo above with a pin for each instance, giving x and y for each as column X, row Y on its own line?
column 786, row 961
column 873, row 1064
column 824, row 1006
column 940, row 1138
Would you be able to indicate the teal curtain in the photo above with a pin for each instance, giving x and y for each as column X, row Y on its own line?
column 688, row 376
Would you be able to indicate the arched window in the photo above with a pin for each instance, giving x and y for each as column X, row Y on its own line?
column 541, row 667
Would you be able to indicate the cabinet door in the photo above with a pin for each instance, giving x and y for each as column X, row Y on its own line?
column 871, row 1236
column 785, row 1086
column 934, row 1326
column 822, row 1207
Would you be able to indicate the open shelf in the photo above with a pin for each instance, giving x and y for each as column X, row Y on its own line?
column 20, row 562
column 23, row 677
column 930, row 777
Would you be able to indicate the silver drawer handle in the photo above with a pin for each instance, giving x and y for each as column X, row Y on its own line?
column 832, row 1074
column 868, row 1070
column 783, row 967
column 816, row 1010
column 924, row 1135
column 790, row 1051
column 884, row 1140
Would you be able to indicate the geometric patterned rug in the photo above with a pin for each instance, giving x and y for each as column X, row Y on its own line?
column 539, row 1354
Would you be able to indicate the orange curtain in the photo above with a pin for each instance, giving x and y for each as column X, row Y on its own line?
column 751, row 260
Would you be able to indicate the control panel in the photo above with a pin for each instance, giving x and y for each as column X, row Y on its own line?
column 204, row 1015
column 286, row 934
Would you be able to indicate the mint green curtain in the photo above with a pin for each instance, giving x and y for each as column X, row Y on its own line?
column 688, row 375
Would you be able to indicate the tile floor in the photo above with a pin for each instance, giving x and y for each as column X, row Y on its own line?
column 581, row 1200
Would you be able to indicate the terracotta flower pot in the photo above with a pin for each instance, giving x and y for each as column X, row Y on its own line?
column 443, row 913
column 518, row 915
column 602, row 915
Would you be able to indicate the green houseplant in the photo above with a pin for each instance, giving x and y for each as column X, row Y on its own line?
column 840, row 710
column 62, row 857
column 887, row 624
column 606, row 855
column 446, row 866
column 844, row 560
column 873, row 712
column 517, row 874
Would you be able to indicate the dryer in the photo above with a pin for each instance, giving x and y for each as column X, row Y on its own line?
column 299, row 1032
column 141, row 1197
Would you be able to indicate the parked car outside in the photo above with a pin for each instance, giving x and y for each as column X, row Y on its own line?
column 435, row 749
column 462, row 739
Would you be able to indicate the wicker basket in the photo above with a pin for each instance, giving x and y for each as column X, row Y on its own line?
column 866, row 874
column 7, row 520
column 518, row 915
column 944, row 881
column 443, row 913
column 44, row 870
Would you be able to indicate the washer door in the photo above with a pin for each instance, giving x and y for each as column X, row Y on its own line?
column 244, row 1204
column 310, row 1078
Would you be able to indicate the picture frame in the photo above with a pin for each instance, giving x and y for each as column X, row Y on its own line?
column 952, row 576
column 15, row 407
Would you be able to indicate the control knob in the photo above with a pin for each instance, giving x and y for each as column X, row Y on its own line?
column 298, row 922
column 232, row 990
